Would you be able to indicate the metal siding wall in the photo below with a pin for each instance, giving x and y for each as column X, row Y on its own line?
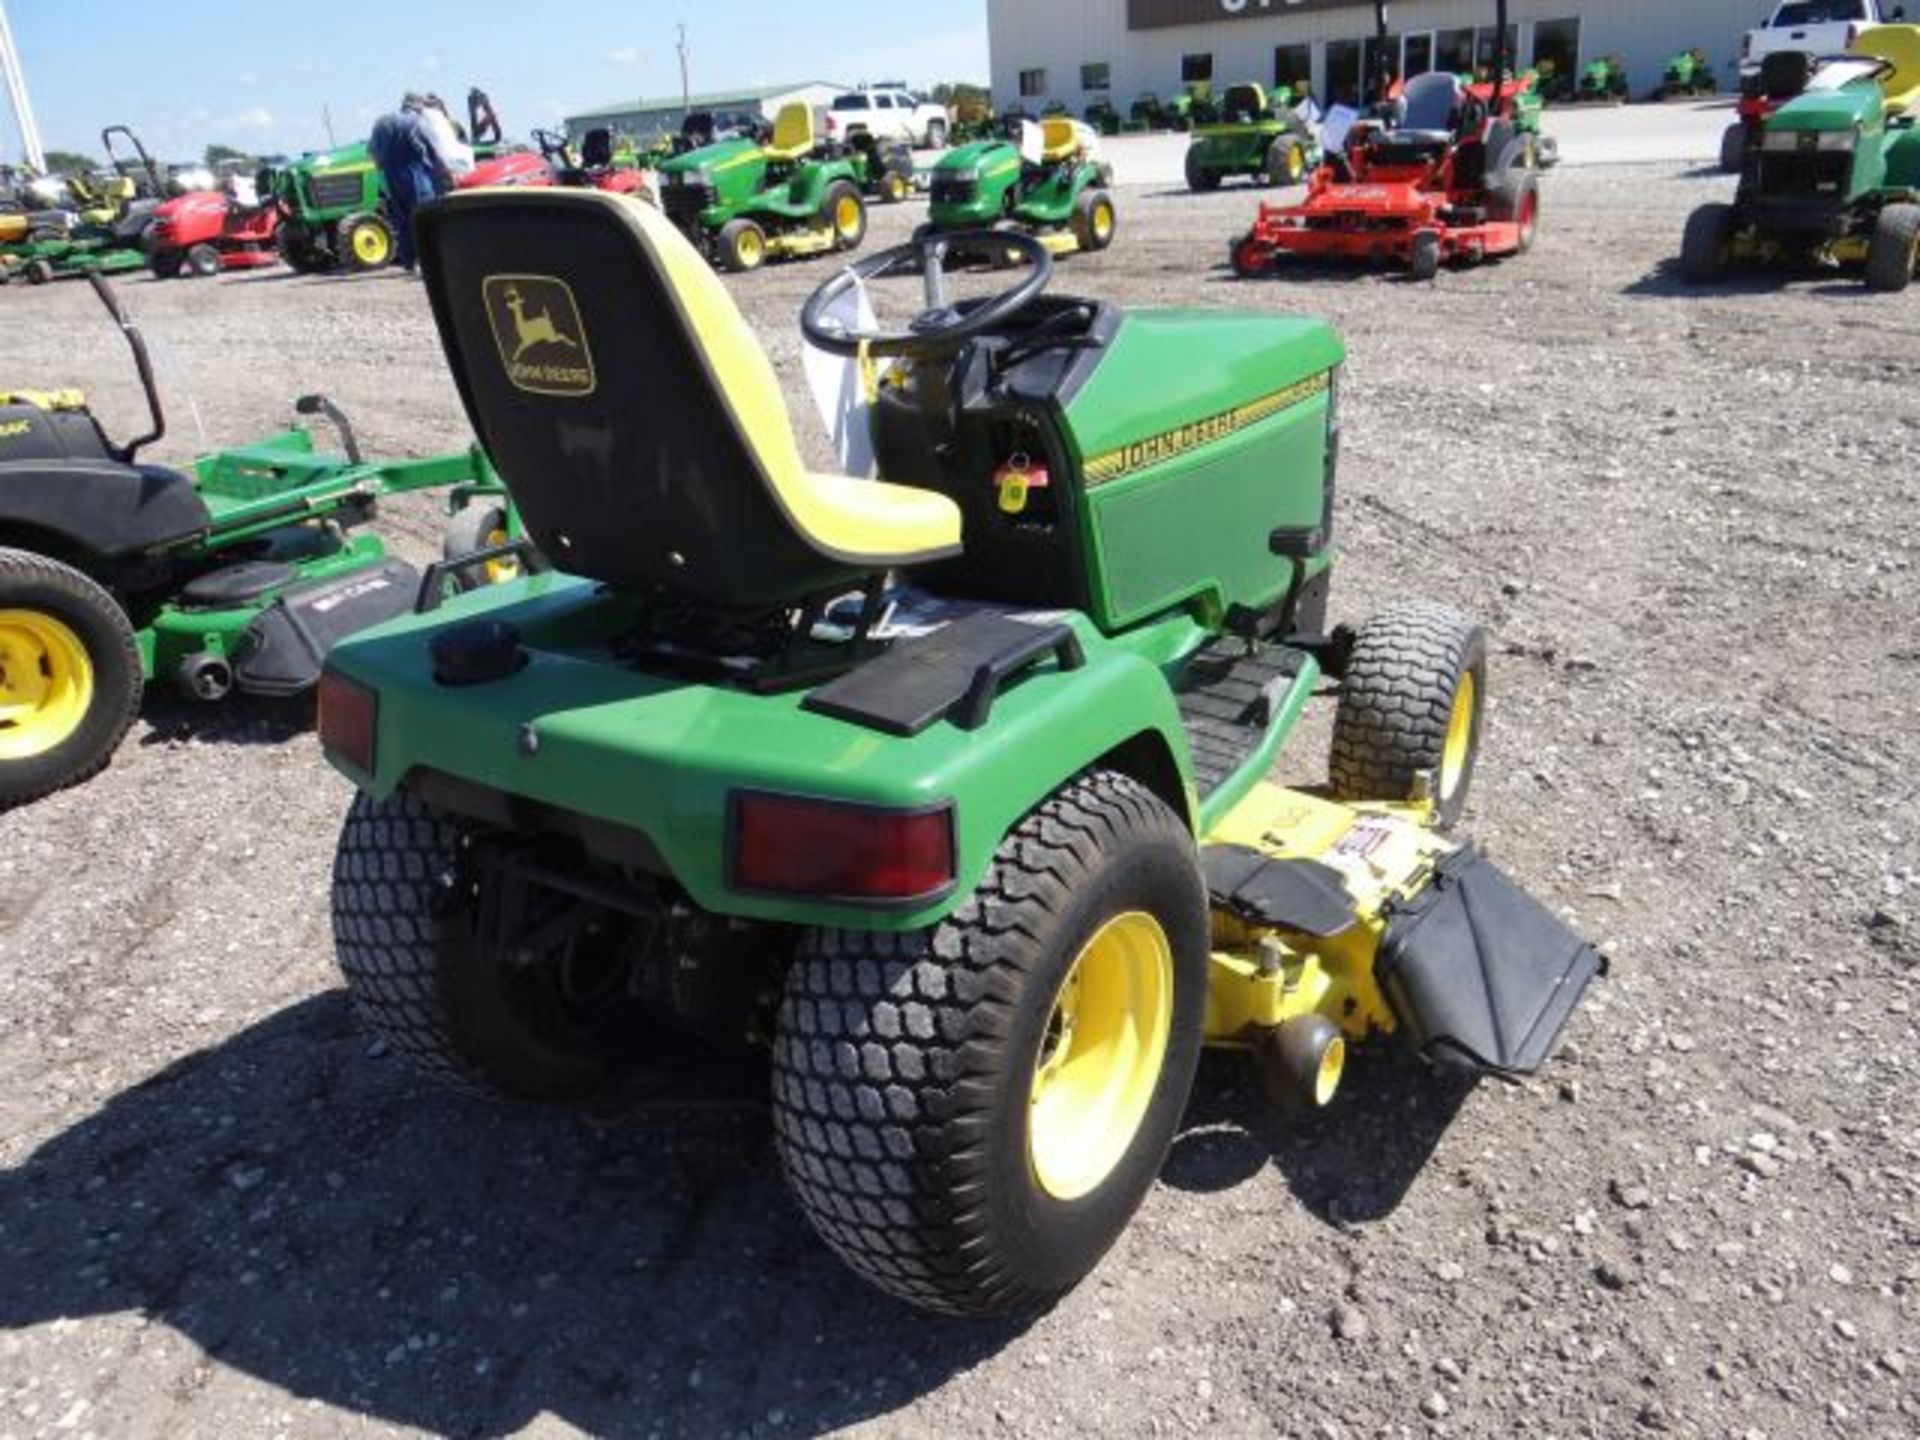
column 1061, row 35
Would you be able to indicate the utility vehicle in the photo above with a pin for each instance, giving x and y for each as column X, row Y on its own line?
column 1049, row 182
column 950, row 788
column 743, row 203
column 236, row 575
column 1256, row 137
column 1835, row 177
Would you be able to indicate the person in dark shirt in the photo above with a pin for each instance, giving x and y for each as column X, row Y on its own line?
column 400, row 148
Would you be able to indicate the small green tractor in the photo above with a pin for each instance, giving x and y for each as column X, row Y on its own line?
column 743, row 203
column 1103, row 117
column 949, row 792
column 1833, row 176
column 1603, row 81
column 237, row 575
column 1257, row 137
column 332, row 211
column 1050, row 183
column 1688, row 74
column 1150, row 113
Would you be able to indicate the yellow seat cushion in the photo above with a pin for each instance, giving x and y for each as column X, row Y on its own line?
column 1058, row 139
column 1899, row 45
column 861, row 521
column 792, row 133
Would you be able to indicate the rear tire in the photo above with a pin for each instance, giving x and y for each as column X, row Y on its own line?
column 915, row 1102
column 1733, row 149
column 1515, row 195
column 403, row 904
column 1286, row 162
column 70, row 680
column 1706, row 249
column 1411, row 709
column 1894, row 252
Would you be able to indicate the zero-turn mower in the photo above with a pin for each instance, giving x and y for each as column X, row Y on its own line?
column 743, row 203
column 949, row 789
column 237, row 575
column 1259, row 138
column 1440, row 174
column 1834, row 177
column 1049, row 183
column 109, row 233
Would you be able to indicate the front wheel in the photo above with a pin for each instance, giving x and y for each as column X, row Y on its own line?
column 937, row 135
column 365, row 242
column 1249, row 258
column 970, row 1114
column 1893, row 254
column 165, row 264
column 1706, row 249
column 203, row 260
column 740, row 246
column 70, row 677
column 1733, row 149
column 1424, row 262
column 1199, row 177
column 1094, row 220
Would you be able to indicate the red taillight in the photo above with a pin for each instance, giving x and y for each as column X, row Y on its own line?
column 347, row 715
column 831, row 850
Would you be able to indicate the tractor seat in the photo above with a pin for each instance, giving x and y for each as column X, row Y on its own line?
column 636, row 421
column 1899, row 45
column 1427, row 113
column 1243, row 105
column 792, row 133
column 1059, row 140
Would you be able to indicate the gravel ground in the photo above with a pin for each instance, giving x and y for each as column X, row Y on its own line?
column 1689, row 521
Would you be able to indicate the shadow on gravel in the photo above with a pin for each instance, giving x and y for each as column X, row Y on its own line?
column 1665, row 282
column 237, row 720
column 307, row 1216
column 1350, row 1165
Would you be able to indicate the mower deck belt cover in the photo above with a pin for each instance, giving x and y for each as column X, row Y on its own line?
column 283, row 650
column 1478, row 972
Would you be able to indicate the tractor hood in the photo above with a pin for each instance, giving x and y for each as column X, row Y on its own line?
column 978, row 158
column 1856, row 105
column 721, row 155
column 334, row 159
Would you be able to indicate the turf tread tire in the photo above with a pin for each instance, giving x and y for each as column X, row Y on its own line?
column 1892, row 251
column 1703, row 246
column 892, row 1051
column 1396, row 699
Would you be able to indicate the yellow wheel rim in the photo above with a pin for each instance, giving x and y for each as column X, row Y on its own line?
column 751, row 248
column 897, row 187
column 1326, row 1076
column 1103, row 222
column 46, row 683
column 1459, row 747
column 1101, row 1055
column 505, row 567
column 370, row 246
column 1296, row 162
column 846, row 217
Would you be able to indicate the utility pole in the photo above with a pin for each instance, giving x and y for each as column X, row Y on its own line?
column 17, row 95
column 686, row 93
column 326, row 119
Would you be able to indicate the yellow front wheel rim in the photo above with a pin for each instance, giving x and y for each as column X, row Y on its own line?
column 46, row 683
column 1326, row 1075
column 1103, row 222
column 1100, row 1058
column 1296, row 162
column 370, row 244
column 1459, row 745
column 750, row 248
column 846, row 216
column 501, row 568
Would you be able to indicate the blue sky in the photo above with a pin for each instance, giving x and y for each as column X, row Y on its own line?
column 256, row 76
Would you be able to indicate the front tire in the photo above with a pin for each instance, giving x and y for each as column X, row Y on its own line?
column 1094, row 220
column 1424, row 262
column 165, row 264
column 1733, row 149
column 1706, row 248
column 1894, row 252
column 1411, row 710
column 845, row 212
column 970, row 1114
column 70, row 678
column 203, row 260
column 740, row 246
column 1199, row 178
column 405, row 898
column 365, row 242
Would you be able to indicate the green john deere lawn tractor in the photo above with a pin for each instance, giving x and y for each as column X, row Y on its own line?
column 1257, row 137
column 1688, row 74
column 949, row 790
column 742, row 203
column 1603, row 81
column 1833, row 178
column 236, row 576
column 1049, row 183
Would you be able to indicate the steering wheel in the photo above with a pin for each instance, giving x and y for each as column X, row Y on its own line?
column 942, row 326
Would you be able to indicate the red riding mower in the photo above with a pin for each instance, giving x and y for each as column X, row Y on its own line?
column 592, row 166
column 206, row 231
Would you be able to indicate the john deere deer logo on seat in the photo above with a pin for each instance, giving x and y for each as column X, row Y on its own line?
column 536, row 326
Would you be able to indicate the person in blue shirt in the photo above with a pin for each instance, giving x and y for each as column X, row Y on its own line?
column 399, row 146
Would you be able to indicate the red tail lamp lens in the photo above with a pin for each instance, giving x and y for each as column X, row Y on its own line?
column 832, row 850
column 347, row 715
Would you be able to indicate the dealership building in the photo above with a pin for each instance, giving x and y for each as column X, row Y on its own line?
column 1076, row 52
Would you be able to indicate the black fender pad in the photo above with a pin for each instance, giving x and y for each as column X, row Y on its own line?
column 1480, row 974
column 282, row 651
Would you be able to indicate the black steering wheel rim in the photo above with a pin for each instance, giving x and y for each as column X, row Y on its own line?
column 941, row 327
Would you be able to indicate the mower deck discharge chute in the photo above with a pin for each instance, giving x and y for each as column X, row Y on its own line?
column 1260, row 139
column 743, row 203
column 1832, row 177
column 1048, row 183
column 948, row 787
column 236, row 575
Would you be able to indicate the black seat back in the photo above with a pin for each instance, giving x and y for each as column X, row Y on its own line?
column 1785, row 73
column 596, row 148
column 1430, row 103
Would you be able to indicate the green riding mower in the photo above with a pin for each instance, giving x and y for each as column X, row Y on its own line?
column 1603, row 82
column 742, row 203
column 1687, row 75
column 1049, row 183
column 1103, row 117
column 1832, row 179
column 108, row 232
column 948, row 791
column 237, row 575
column 1256, row 137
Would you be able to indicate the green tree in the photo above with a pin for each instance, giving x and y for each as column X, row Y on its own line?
column 70, row 162
column 219, row 154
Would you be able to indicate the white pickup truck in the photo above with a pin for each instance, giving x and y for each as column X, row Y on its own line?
column 1819, row 27
column 887, row 113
